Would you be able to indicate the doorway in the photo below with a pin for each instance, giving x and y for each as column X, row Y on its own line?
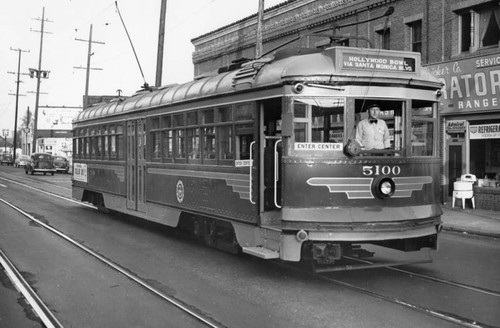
column 136, row 165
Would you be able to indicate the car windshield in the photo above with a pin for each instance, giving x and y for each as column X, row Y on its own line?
column 43, row 158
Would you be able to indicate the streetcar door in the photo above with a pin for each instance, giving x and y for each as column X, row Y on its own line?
column 271, row 150
column 136, row 165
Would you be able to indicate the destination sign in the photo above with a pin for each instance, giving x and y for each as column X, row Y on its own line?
column 80, row 172
column 378, row 63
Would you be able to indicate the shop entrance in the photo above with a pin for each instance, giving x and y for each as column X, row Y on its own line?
column 456, row 162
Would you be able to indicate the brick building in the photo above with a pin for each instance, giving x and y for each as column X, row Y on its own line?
column 459, row 42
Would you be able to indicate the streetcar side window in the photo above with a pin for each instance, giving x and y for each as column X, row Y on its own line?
column 217, row 135
column 105, row 138
column 193, row 144
column 208, row 137
column 155, row 137
column 422, row 129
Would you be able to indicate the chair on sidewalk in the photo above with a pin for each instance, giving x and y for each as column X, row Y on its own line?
column 463, row 190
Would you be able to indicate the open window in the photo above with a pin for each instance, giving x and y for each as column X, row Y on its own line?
column 423, row 125
column 318, row 121
column 382, row 135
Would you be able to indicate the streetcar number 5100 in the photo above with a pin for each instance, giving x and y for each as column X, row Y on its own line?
column 384, row 170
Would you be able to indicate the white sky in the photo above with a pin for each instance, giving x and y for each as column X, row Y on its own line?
column 71, row 19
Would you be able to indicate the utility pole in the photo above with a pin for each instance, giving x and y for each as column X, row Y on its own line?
column 17, row 99
column 88, row 68
column 260, row 18
column 27, row 130
column 39, row 75
column 161, row 42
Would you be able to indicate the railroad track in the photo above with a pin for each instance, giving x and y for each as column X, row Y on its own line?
column 44, row 313
column 443, row 315
column 439, row 280
column 330, row 278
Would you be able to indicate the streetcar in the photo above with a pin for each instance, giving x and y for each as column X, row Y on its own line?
column 261, row 157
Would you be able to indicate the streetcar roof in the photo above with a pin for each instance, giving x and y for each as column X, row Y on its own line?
column 336, row 65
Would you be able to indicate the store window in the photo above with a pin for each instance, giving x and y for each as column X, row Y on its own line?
column 485, row 152
column 479, row 27
column 384, row 36
column 416, row 36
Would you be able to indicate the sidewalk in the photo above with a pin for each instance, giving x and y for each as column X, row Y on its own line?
column 473, row 221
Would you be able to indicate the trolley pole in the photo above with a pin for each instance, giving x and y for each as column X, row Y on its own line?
column 260, row 18
column 161, row 42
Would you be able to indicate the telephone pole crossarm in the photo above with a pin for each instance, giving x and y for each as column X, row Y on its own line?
column 19, row 51
column 88, row 68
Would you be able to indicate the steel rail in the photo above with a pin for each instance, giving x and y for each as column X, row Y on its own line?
column 114, row 266
column 435, row 279
column 37, row 305
column 456, row 319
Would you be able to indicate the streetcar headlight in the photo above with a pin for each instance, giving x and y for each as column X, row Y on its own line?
column 385, row 188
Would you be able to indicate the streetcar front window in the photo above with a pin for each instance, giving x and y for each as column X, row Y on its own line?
column 318, row 120
column 379, row 126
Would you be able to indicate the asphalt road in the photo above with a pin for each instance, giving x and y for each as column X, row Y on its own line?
column 235, row 291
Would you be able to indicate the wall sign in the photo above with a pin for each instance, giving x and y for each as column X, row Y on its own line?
column 485, row 131
column 470, row 85
column 456, row 126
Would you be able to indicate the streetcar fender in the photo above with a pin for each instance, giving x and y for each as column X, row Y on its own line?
column 290, row 248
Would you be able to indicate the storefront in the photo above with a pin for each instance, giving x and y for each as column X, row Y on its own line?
column 470, row 111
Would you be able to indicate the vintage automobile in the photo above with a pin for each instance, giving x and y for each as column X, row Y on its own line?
column 61, row 164
column 6, row 158
column 40, row 162
column 21, row 160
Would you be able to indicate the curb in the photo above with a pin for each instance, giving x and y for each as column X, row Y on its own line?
column 463, row 230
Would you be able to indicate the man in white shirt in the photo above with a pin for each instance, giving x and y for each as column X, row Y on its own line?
column 372, row 132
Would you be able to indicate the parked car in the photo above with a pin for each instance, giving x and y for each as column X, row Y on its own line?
column 40, row 162
column 21, row 160
column 61, row 164
column 6, row 158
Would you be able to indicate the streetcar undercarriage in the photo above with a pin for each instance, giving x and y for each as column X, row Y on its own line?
column 322, row 255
